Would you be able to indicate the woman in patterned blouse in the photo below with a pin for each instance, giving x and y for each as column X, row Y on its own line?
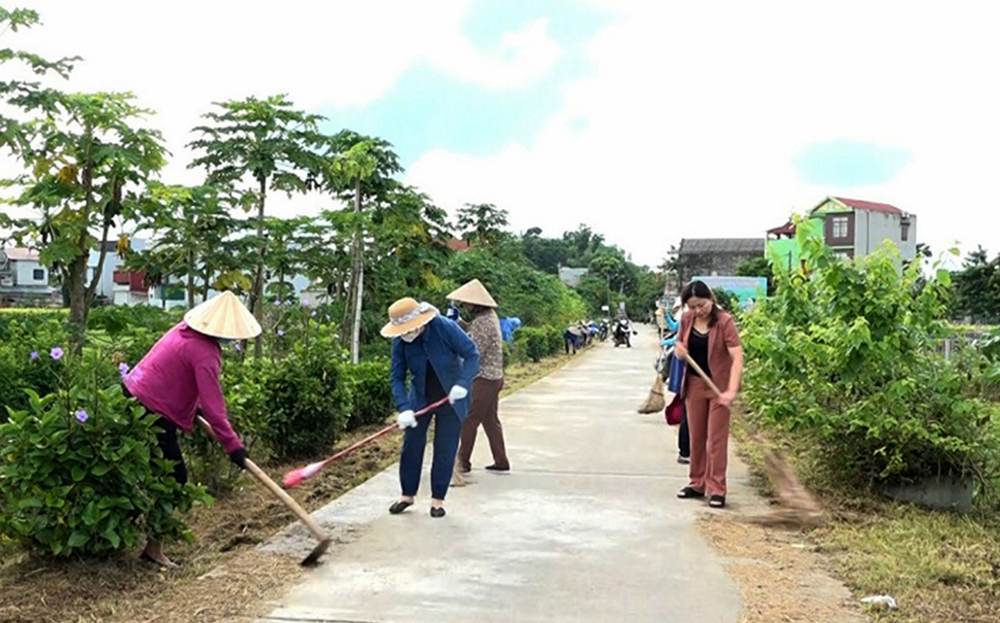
column 484, row 329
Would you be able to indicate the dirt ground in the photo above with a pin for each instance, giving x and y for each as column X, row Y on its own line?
column 782, row 577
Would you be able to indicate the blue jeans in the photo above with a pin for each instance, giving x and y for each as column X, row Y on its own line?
column 447, row 431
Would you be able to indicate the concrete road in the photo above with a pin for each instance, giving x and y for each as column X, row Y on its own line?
column 586, row 527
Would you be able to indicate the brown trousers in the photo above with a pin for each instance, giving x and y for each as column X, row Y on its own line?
column 484, row 410
column 708, row 426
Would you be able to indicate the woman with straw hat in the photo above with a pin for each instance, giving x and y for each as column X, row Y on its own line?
column 436, row 354
column 179, row 378
column 484, row 329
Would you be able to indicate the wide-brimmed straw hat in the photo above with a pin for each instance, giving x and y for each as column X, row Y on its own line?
column 407, row 314
column 223, row 316
column 473, row 293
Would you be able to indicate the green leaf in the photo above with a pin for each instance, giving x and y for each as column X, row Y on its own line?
column 78, row 539
column 944, row 276
column 101, row 469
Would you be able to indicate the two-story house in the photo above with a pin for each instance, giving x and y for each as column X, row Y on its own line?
column 23, row 278
column 852, row 228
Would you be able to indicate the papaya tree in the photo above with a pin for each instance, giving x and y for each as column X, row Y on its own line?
column 255, row 146
column 87, row 158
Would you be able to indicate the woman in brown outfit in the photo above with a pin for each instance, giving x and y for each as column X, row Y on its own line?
column 709, row 335
column 484, row 329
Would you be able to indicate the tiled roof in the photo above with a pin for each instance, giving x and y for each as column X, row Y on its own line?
column 721, row 245
column 869, row 206
column 21, row 255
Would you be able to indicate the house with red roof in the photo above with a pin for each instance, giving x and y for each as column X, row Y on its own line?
column 852, row 228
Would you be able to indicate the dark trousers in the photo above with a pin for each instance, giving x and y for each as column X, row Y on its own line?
column 484, row 411
column 168, row 442
column 683, row 435
column 447, row 429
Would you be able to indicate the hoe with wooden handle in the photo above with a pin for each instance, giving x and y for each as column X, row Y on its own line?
column 310, row 523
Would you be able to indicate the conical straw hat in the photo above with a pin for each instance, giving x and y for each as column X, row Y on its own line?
column 407, row 314
column 473, row 293
column 223, row 316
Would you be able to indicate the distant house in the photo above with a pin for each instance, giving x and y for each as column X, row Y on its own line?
column 23, row 278
column 571, row 276
column 459, row 245
column 852, row 228
column 715, row 256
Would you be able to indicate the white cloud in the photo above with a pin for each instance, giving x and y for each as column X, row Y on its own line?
column 178, row 57
column 694, row 111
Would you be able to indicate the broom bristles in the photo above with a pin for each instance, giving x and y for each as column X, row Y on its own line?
column 654, row 401
column 797, row 507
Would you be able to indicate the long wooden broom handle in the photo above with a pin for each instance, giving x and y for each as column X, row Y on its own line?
column 278, row 492
column 701, row 373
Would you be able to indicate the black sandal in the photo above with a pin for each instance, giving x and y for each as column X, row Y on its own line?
column 437, row 513
column 399, row 507
column 717, row 501
column 690, row 493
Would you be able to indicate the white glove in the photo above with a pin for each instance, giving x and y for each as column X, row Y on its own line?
column 406, row 419
column 457, row 393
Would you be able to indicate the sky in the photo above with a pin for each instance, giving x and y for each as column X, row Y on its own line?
column 650, row 121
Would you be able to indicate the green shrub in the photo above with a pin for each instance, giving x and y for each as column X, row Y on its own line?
column 28, row 319
column 122, row 319
column 554, row 340
column 26, row 362
column 847, row 358
column 534, row 341
column 371, row 393
column 80, row 473
column 305, row 401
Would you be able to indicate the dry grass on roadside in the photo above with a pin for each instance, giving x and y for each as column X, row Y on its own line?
column 938, row 566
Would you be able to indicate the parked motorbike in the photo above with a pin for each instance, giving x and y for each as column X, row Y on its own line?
column 623, row 333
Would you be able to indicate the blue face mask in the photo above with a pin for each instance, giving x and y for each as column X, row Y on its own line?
column 224, row 341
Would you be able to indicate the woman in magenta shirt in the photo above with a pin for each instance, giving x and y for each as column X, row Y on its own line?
column 179, row 379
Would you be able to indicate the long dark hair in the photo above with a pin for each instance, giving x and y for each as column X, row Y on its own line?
column 701, row 290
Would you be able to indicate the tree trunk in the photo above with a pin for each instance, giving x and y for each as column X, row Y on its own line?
column 257, row 300
column 190, row 283
column 359, row 269
column 76, row 274
column 207, row 285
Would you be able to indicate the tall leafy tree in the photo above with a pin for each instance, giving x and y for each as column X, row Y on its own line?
column 24, row 95
column 483, row 224
column 361, row 168
column 192, row 226
column 257, row 146
column 88, row 158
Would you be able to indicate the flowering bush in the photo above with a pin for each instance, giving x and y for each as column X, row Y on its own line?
column 80, row 471
column 27, row 361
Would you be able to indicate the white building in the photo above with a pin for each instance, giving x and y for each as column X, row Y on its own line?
column 23, row 278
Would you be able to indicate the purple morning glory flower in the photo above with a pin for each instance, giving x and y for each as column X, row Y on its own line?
column 306, row 302
column 238, row 347
column 313, row 314
column 277, row 303
column 82, row 416
column 281, row 333
column 123, row 369
column 34, row 355
column 56, row 353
